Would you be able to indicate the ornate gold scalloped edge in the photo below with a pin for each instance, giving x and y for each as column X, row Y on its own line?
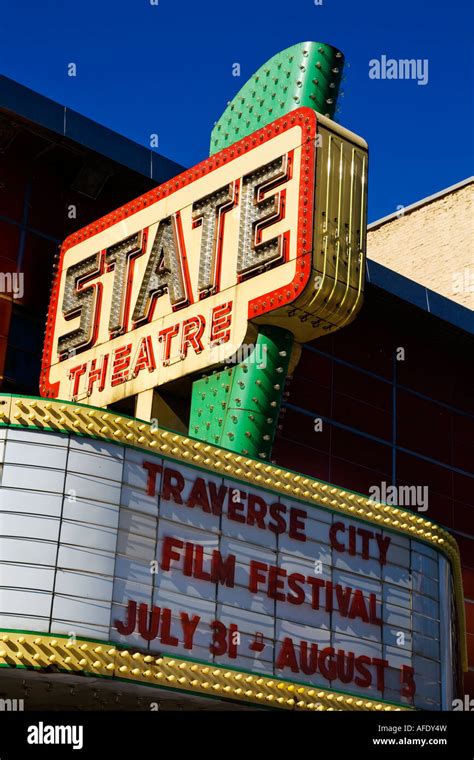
column 96, row 658
column 79, row 419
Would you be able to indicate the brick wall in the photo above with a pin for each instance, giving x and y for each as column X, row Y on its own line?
column 432, row 244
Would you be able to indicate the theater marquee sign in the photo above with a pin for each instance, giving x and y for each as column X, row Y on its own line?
column 265, row 229
column 235, row 579
column 293, row 587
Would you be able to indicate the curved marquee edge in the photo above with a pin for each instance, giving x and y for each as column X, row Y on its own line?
column 78, row 419
column 36, row 651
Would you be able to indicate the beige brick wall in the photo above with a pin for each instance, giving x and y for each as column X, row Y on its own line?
column 432, row 244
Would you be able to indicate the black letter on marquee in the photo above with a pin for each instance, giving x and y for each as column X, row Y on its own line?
column 79, row 301
column 209, row 212
column 118, row 257
column 257, row 213
column 163, row 271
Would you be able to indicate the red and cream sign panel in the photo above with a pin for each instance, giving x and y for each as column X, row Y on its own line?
column 144, row 295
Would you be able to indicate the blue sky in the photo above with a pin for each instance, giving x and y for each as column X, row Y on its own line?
column 167, row 69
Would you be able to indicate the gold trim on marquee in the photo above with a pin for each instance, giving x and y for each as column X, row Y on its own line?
column 79, row 419
column 96, row 658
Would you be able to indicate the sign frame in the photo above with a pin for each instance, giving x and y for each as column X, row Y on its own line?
column 75, row 419
column 278, row 298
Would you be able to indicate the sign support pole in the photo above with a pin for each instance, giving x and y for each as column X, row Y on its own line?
column 144, row 404
column 238, row 408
